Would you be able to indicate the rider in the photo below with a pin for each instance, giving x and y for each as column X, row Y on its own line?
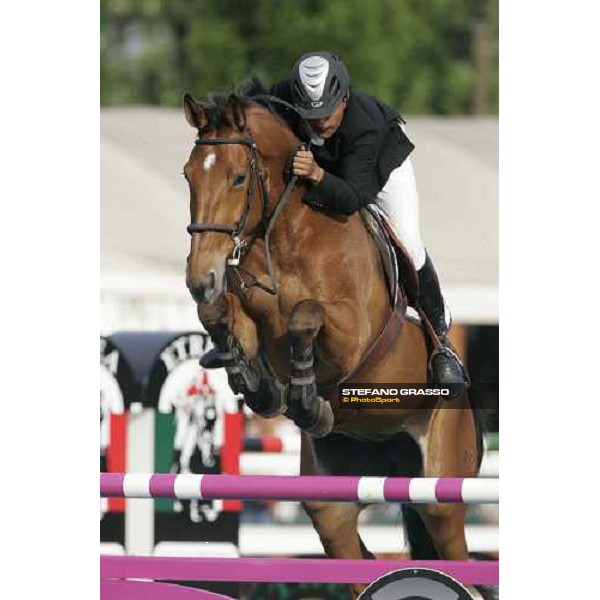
column 360, row 155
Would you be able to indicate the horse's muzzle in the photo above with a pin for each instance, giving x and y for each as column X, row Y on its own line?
column 206, row 291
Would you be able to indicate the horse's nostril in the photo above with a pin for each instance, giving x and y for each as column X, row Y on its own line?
column 198, row 293
column 211, row 280
column 205, row 291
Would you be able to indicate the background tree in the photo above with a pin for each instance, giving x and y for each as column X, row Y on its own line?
column 433, row 56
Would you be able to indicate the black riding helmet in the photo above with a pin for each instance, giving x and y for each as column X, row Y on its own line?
column 320, row 81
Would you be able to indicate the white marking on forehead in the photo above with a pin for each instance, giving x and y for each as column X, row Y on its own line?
column 209, row 161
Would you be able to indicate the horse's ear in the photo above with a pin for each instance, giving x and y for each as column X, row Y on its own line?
column 194, row 113
column 237, row 112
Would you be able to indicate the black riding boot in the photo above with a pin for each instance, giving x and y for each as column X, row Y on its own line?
column 446, row 367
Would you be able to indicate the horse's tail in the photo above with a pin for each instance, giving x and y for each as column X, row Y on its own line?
column 420, row 542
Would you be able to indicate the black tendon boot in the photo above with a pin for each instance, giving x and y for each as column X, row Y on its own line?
column 305, row 407
column 446, row 367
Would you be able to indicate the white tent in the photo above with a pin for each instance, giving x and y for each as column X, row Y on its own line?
column 144, row 213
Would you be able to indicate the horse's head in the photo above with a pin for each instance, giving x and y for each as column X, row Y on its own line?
column 228, row 186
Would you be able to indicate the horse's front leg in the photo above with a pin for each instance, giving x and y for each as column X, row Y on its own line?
column 235, row 337
column 305, row 407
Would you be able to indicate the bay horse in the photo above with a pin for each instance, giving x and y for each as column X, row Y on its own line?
column 296, row 300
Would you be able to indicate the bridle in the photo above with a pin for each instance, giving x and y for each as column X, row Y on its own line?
column 242, row 244
column 236, row 231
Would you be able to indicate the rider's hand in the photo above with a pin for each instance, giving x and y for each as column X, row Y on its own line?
column 306, row 167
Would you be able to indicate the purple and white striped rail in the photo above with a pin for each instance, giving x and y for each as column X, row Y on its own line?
column 286, row 570
column 309, row 488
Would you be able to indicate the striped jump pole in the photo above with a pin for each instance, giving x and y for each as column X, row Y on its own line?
column 286, row 570
column 300, row 488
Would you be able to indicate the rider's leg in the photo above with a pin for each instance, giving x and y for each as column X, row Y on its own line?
column 445, row 365
column 399, row 199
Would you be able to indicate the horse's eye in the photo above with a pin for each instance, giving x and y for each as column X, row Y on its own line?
column 239, row 180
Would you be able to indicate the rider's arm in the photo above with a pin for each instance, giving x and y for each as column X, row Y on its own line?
column 357, row 185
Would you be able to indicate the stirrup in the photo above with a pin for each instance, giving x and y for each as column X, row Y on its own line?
column 445, row 350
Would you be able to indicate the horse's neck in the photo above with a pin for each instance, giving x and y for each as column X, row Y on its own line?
column 303, row 241
column 295, row 226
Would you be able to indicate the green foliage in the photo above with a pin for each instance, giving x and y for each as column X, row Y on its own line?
column 415, row 54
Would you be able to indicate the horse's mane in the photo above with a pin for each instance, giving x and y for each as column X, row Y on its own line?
column 218, row 106
column 250, row 93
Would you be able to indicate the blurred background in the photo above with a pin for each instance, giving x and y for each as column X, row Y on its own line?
column 436, row 61
column 435, row 57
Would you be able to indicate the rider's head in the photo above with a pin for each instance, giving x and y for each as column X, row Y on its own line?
column 320, row 87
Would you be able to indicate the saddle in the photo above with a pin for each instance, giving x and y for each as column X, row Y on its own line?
column 400, row 273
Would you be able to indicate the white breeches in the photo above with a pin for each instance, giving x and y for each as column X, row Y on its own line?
column 399, row 200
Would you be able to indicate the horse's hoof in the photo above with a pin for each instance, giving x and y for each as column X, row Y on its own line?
column 324, row 423
column 212, row 359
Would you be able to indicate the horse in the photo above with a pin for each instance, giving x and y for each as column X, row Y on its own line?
column 295, row 300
